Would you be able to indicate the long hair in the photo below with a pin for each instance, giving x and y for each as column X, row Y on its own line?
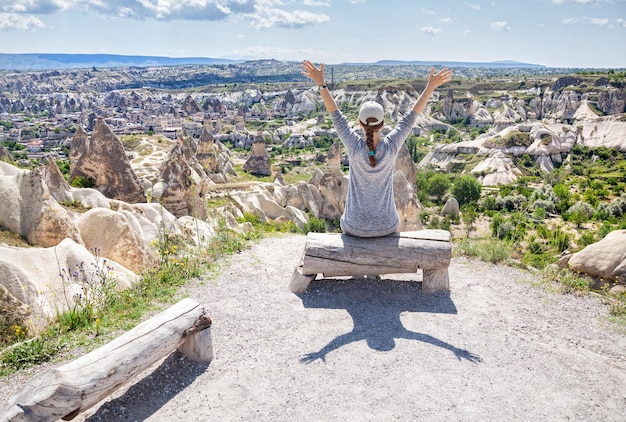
column 369, row 137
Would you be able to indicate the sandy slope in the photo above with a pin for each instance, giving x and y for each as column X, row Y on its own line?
column 493, row 349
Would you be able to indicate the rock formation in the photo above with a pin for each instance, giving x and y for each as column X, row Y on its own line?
column 5, row 155
column 259, row 160
column 451, row 207
column 331, row 184
column 183, row 182
column 29, row 210
column 32, row 278
column 260, row 201
column 60, row 190
column 605, row 260
column 190, row 106
column 119, row 242
column 214, row 158
column 102, row 159
column 497, row 169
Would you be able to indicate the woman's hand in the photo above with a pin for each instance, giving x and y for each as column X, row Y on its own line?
column 312, row 72
column 436, row 80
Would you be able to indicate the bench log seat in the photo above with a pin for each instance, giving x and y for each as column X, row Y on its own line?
column 66, row 391
column 336, row 254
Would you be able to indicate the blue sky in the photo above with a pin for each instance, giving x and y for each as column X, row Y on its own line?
column 557, row 33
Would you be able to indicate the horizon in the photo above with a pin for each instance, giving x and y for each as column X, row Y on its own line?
column 551, row 33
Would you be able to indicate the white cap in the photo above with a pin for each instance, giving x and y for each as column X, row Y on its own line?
column 371, row 109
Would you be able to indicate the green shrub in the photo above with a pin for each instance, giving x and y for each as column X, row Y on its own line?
column 586, row 239
column 83, row 182
column 466, row 189
column 580, row 213
column 545, row 204
column 438, row 185
column 315, row 225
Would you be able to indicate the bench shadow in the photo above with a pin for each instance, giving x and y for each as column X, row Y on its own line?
column 148, row 395
column 375, row 307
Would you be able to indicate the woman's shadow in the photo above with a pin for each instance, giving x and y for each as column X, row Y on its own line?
column 375, row 307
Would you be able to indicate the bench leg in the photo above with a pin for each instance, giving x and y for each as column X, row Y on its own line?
column 435, row 280
column 300, row 282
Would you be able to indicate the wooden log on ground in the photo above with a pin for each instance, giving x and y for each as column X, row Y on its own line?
column 64, row 392
column 333, row 255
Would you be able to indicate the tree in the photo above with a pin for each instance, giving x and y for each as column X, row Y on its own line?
column 466, row 189
column 438, row 185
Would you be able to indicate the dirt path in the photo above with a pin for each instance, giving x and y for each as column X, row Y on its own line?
column 493, row 349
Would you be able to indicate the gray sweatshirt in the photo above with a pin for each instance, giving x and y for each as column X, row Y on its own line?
column 370, row 207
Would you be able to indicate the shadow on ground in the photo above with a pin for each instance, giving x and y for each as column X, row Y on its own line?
column 375, row 307
column 170, row 378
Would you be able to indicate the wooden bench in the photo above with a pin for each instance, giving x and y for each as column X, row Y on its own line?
column 334, row 254
column 64, row 392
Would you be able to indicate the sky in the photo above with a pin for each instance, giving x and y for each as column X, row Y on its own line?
column 555, row 33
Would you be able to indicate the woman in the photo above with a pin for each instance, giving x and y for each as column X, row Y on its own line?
column 370, row 209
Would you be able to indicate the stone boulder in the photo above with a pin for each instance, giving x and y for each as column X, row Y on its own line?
column 451, row 207
column 109, row 234
column 605, row 259
column 102, row 159
column 28, row 209
column 32, row 277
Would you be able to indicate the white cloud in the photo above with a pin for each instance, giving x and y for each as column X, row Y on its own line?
column 260, row 13
column 446, row 20
column 593, row 21
column 621, row 22
column 16, row 21
column 599, row 21
column 430, row 30
column 427, row 11
column 583, row 2
column 317, row 3
column 268, row 18
column 500, row 26
column 473, row 6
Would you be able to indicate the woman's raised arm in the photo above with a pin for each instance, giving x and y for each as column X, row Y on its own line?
column 434, row 81
column 317, row 75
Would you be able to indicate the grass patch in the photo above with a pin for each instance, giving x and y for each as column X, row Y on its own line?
column 13, row 239
column 491, row 250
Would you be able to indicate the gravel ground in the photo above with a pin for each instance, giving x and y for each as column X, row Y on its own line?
column 493, row 349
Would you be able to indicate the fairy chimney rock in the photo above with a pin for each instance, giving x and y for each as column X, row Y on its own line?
column 183, row 181
column 102, row 159
column 259, row 160
column 190, row 106
column 207, row 152
column 239, row 123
